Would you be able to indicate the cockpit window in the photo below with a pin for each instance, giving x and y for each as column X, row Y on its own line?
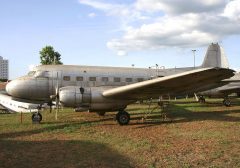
column 40, row 74
column 31, row 73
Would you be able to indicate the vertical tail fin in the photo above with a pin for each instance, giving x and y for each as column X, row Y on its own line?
column 215, row 57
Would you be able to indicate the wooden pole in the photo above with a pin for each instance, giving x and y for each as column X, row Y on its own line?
column 21, row 117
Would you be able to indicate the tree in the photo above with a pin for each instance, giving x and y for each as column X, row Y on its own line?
column 49, row 56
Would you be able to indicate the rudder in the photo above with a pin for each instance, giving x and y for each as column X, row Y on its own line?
column 215, row 57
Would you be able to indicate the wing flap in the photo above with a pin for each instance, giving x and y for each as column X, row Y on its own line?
column 176, row 84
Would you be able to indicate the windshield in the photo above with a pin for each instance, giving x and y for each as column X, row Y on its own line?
column 31, row 73
column 41, row 74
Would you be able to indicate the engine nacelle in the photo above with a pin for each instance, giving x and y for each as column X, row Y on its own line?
column 212, row 93
column 90, row 99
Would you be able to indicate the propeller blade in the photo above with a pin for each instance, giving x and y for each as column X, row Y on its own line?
column 50, row 105
column 57, row 109
column 57, row 99
column 50, row 110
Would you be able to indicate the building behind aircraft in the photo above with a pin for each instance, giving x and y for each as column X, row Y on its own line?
column 3, row 69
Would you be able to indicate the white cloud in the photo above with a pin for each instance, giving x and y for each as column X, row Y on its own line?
column 171, row 23
column 96, row 4
column 232, row 10
column 110, row 9
column 125, row 11
column 180, row 6
column 92, row 15
column 121, row 53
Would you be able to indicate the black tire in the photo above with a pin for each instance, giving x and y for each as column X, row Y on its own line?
column 123, row 118
column 227, row 102
column 101, row 113
column 36, row 117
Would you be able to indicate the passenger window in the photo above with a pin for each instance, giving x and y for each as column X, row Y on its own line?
column 128, row 79
column 104, row 79
column 79, row 78
column 66, row 78
column 140, row 79
column 116, row 79
column 92, row 78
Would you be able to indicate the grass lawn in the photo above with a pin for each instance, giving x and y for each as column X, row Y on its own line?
column 193, row 135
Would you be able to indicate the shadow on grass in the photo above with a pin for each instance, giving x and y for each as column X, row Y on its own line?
column 53, row 126
column 59, row 153
column 185, row 115
column 180, row 114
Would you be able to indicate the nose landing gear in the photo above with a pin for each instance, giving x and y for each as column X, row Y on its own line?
column 36, row 118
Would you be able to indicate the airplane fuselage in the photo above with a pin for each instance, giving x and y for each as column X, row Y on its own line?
column 41, row 83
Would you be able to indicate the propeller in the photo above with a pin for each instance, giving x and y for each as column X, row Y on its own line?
column 56, row 97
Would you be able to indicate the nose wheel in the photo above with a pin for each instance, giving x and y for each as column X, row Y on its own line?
column 36, row 117
column 123, row 117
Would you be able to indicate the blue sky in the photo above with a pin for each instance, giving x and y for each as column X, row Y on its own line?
column 117, row 33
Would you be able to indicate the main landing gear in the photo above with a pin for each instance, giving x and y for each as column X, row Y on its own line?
column 226, row 102
column 201, row 99
column 101, row 113
column 122, row 117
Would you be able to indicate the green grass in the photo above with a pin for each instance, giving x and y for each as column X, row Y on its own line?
column 194, row 135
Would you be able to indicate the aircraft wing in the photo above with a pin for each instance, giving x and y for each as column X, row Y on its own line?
column 172, row 84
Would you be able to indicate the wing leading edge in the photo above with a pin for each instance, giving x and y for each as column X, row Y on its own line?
column 190, row 81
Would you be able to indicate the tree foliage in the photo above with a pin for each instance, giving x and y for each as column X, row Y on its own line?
column 49, row 56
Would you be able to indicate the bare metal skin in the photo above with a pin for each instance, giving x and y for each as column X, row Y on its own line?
column 113, row 88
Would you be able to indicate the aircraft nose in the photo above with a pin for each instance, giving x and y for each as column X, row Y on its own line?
column 10, row 87
column 28, row 88
column 18, row 88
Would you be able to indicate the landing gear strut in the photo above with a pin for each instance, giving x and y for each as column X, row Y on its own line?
column 122, row 117
column 101, row 113
column 201, row 99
